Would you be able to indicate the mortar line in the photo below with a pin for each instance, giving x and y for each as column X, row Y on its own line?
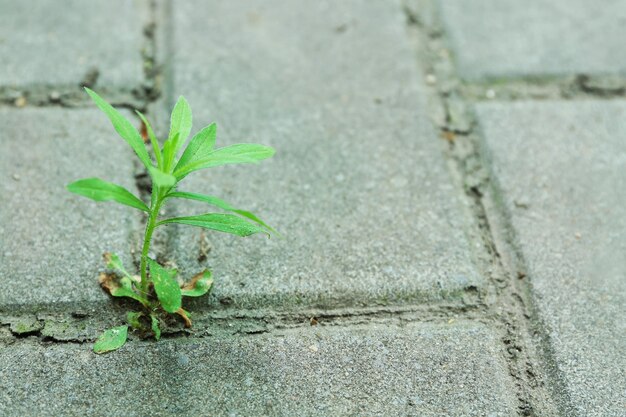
column 260, row 321
column 505, row 237
column 513, row 298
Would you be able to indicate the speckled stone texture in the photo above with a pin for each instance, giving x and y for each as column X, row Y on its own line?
column 359, row 188
column 52, row 241
column 510, row 38
column 425, row 370
column 51, row 43
column 562, row 171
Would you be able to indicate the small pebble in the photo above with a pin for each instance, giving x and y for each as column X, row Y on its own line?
column 313, row 348
column 490, row 94
column 16, row 177
column 431, row 79
column 55, row 96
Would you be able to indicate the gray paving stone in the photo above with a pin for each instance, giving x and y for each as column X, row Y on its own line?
column 509, row 38
column 52, row 241
column 358, row 187
column 48, row 43
column 562, row 166
column 423, row 370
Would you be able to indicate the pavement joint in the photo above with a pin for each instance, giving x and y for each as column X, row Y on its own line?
column 84, row 326
column 532, row 368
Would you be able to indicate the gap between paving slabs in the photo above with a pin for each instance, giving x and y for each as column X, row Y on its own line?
column 531, row 358
column 457, row 122
column 67, row 321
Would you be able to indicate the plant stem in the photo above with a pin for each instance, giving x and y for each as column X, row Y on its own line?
column 150, row 226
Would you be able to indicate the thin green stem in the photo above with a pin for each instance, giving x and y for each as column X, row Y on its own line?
column 155, row 206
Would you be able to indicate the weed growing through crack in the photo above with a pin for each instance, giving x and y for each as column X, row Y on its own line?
column 157, row 289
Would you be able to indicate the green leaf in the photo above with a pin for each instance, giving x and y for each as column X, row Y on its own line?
column 112, row 339
column 123, row 127
column 155, row 326
column 100, row 190
column 160, row 179
column 153, row 140
column 169, row 153
column 180, row 123
column 199, row 146
column 227, row 223
column 242, row 153
column 132, row 317
column 166, row 287
column 114, row 262
column 125, row 289
column 214, row 201
column 199, row 285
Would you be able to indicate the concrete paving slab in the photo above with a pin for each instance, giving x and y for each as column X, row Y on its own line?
column 425, row 370
column 358, row 187
column 510, row 38
column 562, row 169
column 52, row 241
column 51, row 43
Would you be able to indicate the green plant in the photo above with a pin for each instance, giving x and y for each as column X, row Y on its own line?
column 156, row 289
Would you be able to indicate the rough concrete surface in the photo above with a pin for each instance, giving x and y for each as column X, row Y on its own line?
column 358, row 188
column 51, row 43
column 509, row 38
column 561, row 167
column 425, row 370
column 407, row 281
column 52, row 241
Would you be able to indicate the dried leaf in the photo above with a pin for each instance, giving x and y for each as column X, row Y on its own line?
column 199, row 285
column 185, row 317
column 107, row 282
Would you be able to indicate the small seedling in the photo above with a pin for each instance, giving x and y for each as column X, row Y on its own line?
column 156, row 289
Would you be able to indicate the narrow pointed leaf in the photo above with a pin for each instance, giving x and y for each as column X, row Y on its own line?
column 227, row 223
column 214, row 201
column 180, row 123
column 166, row 287
column 153, row 140
column 199, row 146
column 100, row 190
column 242, row 153
column 169, row 153
column 161, row 179
column 155, row 326
column 123, row 127
column 112, row 339
column 199, row 285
